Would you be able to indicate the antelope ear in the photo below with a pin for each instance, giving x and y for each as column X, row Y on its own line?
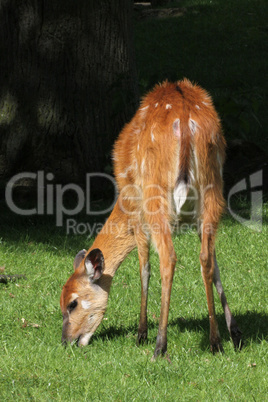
column 78, row 258
column 94, row 264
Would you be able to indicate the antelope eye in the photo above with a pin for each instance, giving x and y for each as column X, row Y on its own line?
column 72, row 305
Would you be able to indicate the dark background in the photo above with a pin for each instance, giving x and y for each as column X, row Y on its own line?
column 72, row 74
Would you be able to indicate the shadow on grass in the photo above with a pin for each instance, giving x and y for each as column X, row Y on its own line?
column 254, row 327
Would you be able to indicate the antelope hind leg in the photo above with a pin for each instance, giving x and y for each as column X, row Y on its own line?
column 231, row 323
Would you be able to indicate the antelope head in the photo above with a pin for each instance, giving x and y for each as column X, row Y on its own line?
column 84, row 297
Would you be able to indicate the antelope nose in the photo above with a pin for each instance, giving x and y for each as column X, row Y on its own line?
column 63, row 341
column 64, row 336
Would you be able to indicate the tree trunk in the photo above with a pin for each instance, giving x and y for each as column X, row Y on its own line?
column 68, row 84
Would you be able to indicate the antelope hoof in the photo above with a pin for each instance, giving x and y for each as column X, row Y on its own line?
column 216, row 346
column 158, row 352
column 142, row 337
column 160, row 348
column 236, row 336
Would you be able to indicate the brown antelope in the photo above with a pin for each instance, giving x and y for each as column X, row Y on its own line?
column 168, row 165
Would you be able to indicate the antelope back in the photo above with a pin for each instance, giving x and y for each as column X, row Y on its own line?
column 174, row 142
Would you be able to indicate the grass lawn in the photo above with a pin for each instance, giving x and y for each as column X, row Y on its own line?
column 223, row 46
column 34, row 365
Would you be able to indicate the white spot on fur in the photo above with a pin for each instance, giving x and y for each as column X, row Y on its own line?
column 191, row 173
column 74, row 296
column 176, row 128
column 193, row 125
column 85, row 304
column 156, row 104
column 125, row 173
column 152, row 134
column 168, row 106
column 197, row 107
column 180, row 195
column 136, row 131
column 205, row 103
column 143, row 110
column 143, row 166
column 138, row 147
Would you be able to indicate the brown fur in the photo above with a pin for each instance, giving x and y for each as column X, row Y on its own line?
column 150, row 162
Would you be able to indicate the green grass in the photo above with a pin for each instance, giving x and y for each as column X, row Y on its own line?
column 223, row 46
column 34, row 365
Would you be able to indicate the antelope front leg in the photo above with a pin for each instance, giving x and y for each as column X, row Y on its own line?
column 143, row 328
column 143, row 251
column 207, row 266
